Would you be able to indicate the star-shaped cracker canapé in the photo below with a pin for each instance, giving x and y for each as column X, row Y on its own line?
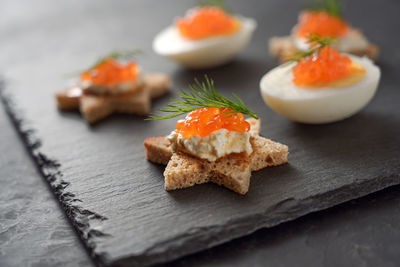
column 233, row 170
column 110, row 87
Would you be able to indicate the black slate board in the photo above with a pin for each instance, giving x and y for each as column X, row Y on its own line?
column 115, row 198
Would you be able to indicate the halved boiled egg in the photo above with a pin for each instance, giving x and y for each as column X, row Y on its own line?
column 324, row 87
column 205, row 37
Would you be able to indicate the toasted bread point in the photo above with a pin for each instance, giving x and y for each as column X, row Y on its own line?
column 158, row 83
column 137, row 103
column 95, row 108
column 372, row 51
column 158, row 149
column 232, row 171
column 185, row 171
column 267, row 153
column 240, row 185
column 69, row 98
column 283, row 48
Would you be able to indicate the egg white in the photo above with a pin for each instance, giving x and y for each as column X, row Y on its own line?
column 204, row 53
column 322, row 105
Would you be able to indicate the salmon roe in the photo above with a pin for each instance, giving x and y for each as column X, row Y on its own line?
column 322, row 68
column 206, row 22
column 111, row 73
column 204, row 121
column 320, row 23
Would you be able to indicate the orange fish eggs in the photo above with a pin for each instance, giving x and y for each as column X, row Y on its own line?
column 111, row 73
column 322, row 68
column 321, row 23
column 207, row 22
column 204, row 121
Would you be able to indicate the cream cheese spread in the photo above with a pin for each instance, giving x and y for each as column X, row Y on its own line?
column 216, row 145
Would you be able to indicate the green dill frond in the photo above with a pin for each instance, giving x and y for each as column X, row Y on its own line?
column 203, row 95
column 317, row 42
column 217, row 3
column 332, row 7
column 117, row 55
column 321, row 41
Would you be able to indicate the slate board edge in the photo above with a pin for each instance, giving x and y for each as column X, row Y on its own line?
column 203, row 238
column 290, row 209
column 49, row 168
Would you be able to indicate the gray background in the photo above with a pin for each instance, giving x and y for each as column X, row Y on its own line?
column 309, row 243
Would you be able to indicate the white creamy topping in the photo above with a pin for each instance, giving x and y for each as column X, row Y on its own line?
column 216, row 145
column 351, row 42
column 74, row 92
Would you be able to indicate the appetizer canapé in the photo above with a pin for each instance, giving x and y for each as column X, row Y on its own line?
column 110, row 86
column 326, row 21
column 321, row 85
column 207, row 36
column 214, row 143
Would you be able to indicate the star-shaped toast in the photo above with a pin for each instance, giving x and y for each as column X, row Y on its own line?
column 95, row 107
column 232, row 171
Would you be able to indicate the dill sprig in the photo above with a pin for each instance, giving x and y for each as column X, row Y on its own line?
column 331, row 7
column 317, row 42
column 217, row 3
column 203, row 95
column 117, row 55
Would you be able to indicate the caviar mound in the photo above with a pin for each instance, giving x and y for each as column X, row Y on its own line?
column 207, row 22
column 204, row 121
column 322, row 68
column 110, row 73
column 321, row 23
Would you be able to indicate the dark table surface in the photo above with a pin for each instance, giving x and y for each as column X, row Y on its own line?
column 34, row 231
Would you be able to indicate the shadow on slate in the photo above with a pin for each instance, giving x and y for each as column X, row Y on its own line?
column 115, row 198
column 348, row 234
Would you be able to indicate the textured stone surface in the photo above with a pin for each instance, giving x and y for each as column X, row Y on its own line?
column 104, row 164
column 358, row 233
column 33, row 229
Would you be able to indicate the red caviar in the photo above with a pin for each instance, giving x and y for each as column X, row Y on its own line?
column 206, row 22
column 204, row 121
column 322, row 68
column 111, row 73
column 321, row 23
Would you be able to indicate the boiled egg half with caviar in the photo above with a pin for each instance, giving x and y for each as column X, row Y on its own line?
column 324, row 87
column 350, row 40
column 206, row 37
